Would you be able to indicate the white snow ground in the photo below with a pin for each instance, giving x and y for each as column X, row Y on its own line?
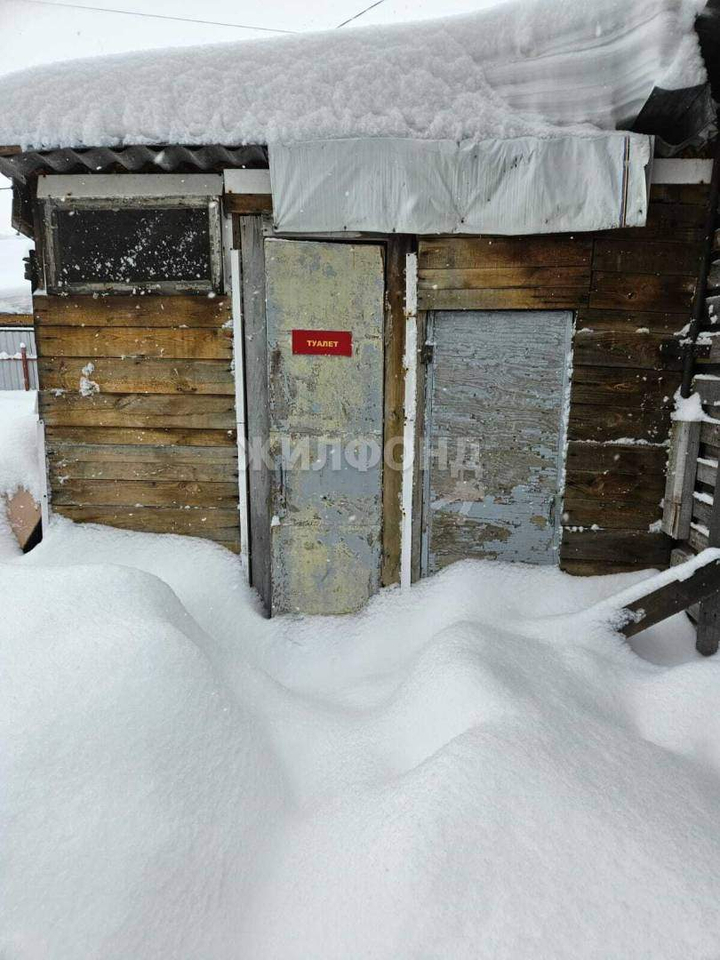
column 480, row 768
column 19, row 459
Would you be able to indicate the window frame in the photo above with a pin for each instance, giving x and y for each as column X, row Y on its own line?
column 125, row 199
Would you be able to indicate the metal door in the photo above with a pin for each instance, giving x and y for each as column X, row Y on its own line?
column 496, row 402
column 326, row 426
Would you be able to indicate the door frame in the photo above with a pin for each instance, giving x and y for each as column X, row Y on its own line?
column 245, row 238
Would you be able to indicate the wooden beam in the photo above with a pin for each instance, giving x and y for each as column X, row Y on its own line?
column 644, row 291
column 139, row 375
column 183, row 311
column 248, row 203
column 505, row 298
column 252, row 245
column 16, row 320
column 682, row 468
column 139, row 410
column 708, row 626
column 470, row 252
column 672, row 597
column 397, row 249
column 162, row 343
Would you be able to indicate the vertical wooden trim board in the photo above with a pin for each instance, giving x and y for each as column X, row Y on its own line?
column 240, row 412
column 408, row 466
column 252, row 236
column 393, row 406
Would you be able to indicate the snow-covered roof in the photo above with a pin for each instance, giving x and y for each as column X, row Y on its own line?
column 526, row 68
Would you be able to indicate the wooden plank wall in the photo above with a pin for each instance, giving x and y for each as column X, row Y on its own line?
column 632, row 291
column 152, row 446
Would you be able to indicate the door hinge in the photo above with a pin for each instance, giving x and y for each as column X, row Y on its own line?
column 427, row 353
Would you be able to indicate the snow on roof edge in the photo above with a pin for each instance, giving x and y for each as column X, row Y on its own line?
column 526, row 68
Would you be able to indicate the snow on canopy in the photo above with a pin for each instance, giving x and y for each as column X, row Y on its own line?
column 524, row 68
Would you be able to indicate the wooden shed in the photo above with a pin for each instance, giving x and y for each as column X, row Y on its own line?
column 322, row 357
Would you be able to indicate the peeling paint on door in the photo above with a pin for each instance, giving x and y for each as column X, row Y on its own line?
column 326, row 413
column 495, row 410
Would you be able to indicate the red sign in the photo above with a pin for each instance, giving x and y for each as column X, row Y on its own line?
column 336, row 343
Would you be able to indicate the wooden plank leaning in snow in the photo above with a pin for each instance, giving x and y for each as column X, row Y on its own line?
column 675, row 590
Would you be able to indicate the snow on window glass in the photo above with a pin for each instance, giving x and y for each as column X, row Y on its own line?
column 130, row 246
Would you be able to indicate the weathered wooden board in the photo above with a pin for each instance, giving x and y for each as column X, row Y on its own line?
column 669, row 258
column 138, row 375
column 681, row 471
column 609, row 514
column 212, row 524
column 250, row 235
column 631, row 321
column 124, row 462
column 397, row 250
column 16, row 319
column 169, row 343
column 137, row 410
column 620, row 386
column 707, row 471
column 488, row 278
column 709, row 391
column 615, row 546
column 513, row 298
column 602, row 423
column 148, row 493
column 498, row 382
column 701, row 511
column 622, row 348
column 599, row 568
column 460, row 253
column 640, row 462
column 702, row 584
column 248, row 203
column 607, row 486
column 710, row 433
column 122, row 435
column 691, row 193
column 642, row 291
column 197, row 310
column 681, row 221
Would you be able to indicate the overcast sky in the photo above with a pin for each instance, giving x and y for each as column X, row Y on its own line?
column 34, row 32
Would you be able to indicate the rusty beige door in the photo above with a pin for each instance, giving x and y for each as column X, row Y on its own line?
column 326, row 426
column 496, row 401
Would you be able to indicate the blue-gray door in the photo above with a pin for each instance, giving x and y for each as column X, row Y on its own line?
column 326, row 425
column 496, row 401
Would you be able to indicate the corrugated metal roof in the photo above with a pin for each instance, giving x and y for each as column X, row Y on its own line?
column 11, row 375
column 133, row 159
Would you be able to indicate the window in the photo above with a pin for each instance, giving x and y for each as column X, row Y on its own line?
column 131, row 243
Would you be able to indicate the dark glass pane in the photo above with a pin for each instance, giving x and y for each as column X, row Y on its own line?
column 140, row 245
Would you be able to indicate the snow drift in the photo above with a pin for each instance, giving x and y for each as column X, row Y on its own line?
column 529, row 68
column 481, row 768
